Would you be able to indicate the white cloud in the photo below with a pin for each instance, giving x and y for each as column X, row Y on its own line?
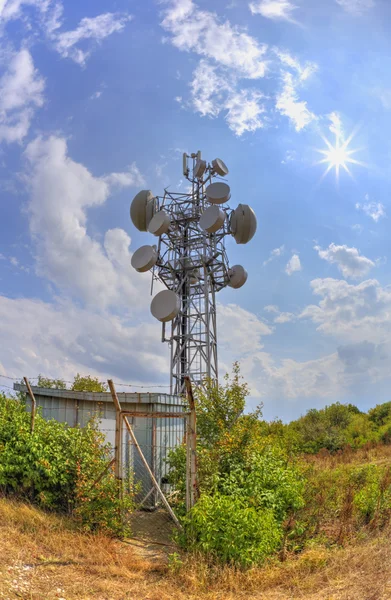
column 375, row 210
column 284, row 317
column 212, row 94
column 208, row 89
column 61, row 339
column 245, row 111
column 230, row 56
column 293, row 265
column 289, row 105
column 12, row 9
column 95, row 29
column 274, row 254
column 240, row 331
column 272, row 308
column 62, row 191
column 348, row 260
column 356, row 7
column 351, row 312
column 274, row 9
column 200, row 31
column 21, row 92
column 303, row 72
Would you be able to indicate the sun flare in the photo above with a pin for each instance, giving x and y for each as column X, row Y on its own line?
column 339, row 155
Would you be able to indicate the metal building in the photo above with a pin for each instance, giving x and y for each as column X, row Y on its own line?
column 156, row 436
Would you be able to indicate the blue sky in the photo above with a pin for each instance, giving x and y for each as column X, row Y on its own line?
column 99, row 99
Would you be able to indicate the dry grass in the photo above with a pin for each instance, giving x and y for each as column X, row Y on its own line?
column 44, row 557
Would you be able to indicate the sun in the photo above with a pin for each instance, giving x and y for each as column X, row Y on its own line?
column 339, row 155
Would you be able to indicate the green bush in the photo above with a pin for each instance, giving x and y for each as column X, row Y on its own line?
column 57, row 466
column 266, row 481
column 229, row 531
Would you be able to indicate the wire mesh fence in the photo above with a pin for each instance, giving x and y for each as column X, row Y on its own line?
column 146, row 461
column 143, row 453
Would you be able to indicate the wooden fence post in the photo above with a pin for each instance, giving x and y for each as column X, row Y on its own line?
column 118, row 431
column 191, row 449
column 33, row 403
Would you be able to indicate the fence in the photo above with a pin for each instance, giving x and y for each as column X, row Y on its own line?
column 141, row 442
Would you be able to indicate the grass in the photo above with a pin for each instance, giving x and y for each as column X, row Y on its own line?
column 44, row 556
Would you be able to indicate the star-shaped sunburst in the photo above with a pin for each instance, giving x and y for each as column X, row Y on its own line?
column 339, row 155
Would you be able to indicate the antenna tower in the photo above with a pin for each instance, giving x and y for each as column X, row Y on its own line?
column 191, row 262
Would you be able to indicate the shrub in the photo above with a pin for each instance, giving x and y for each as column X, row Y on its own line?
column 57, row 466
column 266, row 481
column 228, row 530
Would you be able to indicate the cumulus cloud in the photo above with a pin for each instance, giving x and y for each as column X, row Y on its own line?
column 293, row 265
column 274, row 9
column 351, row 312
column 62, row 191
column 348, row 260
column 61, row 339
column 274, row 254
column 240, row 330
column 375, row 210
column 21, row 92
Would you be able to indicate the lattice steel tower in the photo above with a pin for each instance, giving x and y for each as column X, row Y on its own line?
column 191, row 262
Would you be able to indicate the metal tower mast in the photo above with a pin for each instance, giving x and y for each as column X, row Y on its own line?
column 191, row 261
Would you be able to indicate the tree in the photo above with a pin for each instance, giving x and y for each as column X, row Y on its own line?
column 220, row 406
column 46, row 382
column 87, row 384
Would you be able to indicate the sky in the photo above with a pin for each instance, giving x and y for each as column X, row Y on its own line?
column 100, row 99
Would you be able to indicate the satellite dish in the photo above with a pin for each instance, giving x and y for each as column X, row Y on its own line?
column 220, row 167
column 237, row 276
column 218, row 192
column 200, row 168
column 243, row 224
column 160, row 223
column 194, row 277
column 142, row 209
column 212, row 219
column 165, row 306
column 144, row 258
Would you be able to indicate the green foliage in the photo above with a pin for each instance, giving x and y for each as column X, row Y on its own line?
column 267, row 480
column 88, row 384
column 46, row 382
column 220, row 407
column 332, row 428
column 228, row 530
column 380, row 413
column 56, row 467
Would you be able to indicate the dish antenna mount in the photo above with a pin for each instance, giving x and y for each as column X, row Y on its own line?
column 191, row 262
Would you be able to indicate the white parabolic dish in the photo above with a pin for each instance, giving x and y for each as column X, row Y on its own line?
column 243, row 224
column 218, row 192
column 212, row 219
column 220, row 167
column 144, row 259
column 237, row 276
column 199, row 168
column 160, row 223
column 165, row 306
column 142, row 209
